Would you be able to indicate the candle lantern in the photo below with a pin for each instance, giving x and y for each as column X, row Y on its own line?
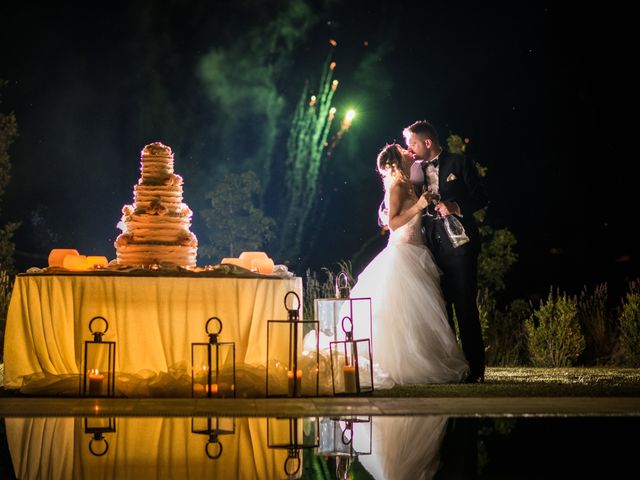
column 213, row 428
column 213, row 365
column 97, row 427
column 344, row 439
column 330, row 311
column 98, row 372
column 292, row 353
column 292, row 434
column 351, row 363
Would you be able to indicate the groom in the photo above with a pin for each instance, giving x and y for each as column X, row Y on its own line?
column 456, row 179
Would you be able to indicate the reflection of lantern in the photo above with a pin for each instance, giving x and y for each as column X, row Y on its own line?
column 351, row 366
column 330, row 311
column 98, row 426
column 292, row 354
column 213, row 427
column 98, row 373
column 344, row 439
column 292, row 434
column 213, row 366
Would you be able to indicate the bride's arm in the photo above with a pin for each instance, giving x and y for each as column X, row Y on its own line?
column 398, row 197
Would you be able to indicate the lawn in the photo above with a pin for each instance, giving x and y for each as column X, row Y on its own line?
column 535, row 382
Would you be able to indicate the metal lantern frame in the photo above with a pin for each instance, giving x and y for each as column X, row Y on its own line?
column 350, row 351
column 333, row 308
column 214, row 428
column 93, row 379
column 295, row 328
column 96, row 427
column 213, row 349
column 341, row 441
column 296, row 441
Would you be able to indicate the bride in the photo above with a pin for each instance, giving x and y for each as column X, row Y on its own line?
column 412, row 340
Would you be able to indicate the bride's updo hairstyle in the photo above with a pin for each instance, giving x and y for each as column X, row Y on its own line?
column 390, row 165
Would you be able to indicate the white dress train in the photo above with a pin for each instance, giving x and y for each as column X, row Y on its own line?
column 412, row 340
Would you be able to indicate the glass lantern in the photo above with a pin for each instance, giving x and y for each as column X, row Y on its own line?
column 351, row 363
column 293, row 434
column 213, row 365
column 330, row 311
column 98, row 369
column 292, row 354
column 97, row 427
column 344, row 439
column 213, row 428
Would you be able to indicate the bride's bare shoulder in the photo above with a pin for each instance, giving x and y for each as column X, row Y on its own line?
column 398, row 187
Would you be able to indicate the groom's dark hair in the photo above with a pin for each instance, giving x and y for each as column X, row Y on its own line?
column 422, row 127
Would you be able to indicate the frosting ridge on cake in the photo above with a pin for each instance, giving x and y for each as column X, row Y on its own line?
column 155, row 228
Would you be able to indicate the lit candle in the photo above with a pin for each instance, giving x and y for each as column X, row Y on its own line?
column 96, row 381
column 349, row 379
column 297, row 386
column 198, row 390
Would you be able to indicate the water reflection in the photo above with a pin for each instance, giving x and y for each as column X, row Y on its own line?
column 355, row 447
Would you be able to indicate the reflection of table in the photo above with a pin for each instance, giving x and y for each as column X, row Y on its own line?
column 154, row 319
column 140, row 448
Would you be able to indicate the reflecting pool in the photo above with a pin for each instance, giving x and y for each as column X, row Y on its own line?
column 355, row 447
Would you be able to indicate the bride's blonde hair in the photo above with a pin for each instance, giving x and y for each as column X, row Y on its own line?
column 389, row 163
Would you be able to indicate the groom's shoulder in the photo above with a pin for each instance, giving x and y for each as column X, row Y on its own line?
column 456, row 157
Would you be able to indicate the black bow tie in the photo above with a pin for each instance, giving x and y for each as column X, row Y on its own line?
column 426, row 163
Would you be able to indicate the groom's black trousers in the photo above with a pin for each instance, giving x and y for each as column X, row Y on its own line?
column 460, row 288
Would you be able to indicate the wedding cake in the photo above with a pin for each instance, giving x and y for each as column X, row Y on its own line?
column 155, row 229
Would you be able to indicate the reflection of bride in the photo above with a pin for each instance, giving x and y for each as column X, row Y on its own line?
column 405, row 447
column 412, row 340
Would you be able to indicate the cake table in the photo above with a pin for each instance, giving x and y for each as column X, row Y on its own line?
column 153, row 316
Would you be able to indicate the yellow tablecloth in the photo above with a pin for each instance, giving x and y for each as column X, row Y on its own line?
column 153, row 319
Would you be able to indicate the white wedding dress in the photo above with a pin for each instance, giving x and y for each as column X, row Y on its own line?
column 412, row 340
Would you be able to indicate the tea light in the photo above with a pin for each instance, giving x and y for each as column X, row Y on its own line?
column 200, row 390
column 96, row 380
column 57, row 255
column 349, row 372
column 297, row 384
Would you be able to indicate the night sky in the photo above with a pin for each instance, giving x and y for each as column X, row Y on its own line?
column 542, row 92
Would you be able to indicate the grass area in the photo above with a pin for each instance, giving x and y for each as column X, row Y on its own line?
column 535, row 382
column 524, row 382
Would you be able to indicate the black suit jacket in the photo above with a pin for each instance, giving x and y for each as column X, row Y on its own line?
column 458, row 181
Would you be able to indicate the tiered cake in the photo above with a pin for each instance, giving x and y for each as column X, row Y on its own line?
column 155, row 229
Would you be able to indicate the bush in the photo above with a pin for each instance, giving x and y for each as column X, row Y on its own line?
column 553, row 330
column 630, row 326
column 597, row 326
column 503, row 331
column 314, row 289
